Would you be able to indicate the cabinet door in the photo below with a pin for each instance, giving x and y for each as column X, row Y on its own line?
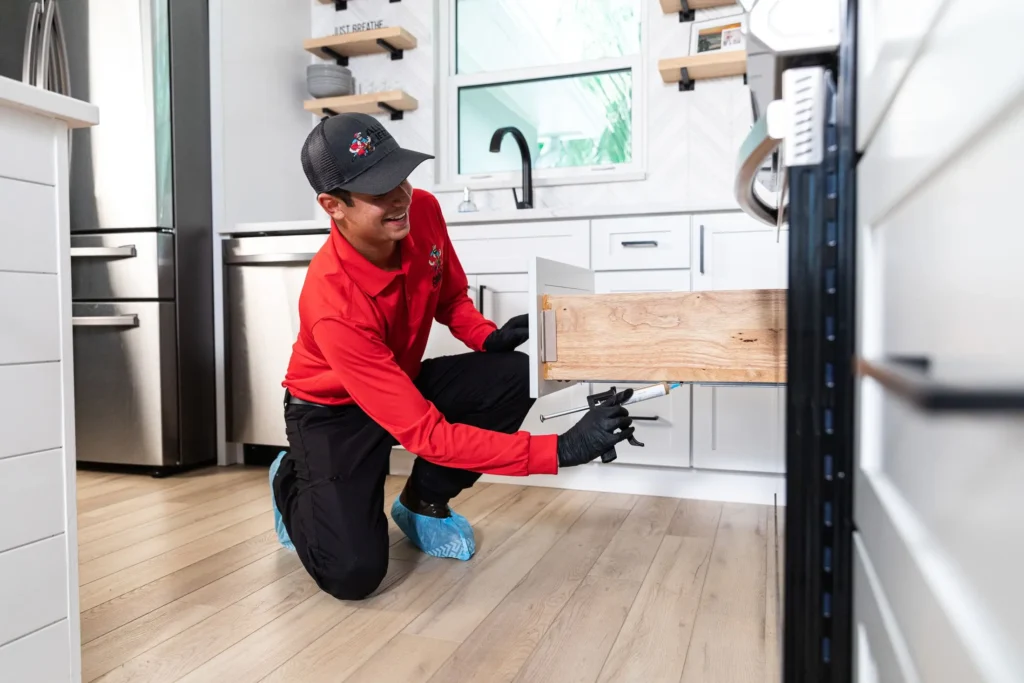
column 441, row 342
column 667, row 439
column 735, row 427
column 501, row 298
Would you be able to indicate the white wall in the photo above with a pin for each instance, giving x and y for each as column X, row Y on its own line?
column 701, row 130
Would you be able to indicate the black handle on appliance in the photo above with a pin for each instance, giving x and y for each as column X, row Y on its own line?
column 911, row 380
column 639, row 243
column 480, row 293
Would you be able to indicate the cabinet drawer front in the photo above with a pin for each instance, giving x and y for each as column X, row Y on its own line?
column 30, row 310
column 739, row 428
column 33, row 587
column 639, row 243
column 620, row 281
column 508, row 248
column 124, row 265
column 42, row 656
column 28, row 227
column 27, row 141
column 31, row 491
column 31, row 408
column 666, row 441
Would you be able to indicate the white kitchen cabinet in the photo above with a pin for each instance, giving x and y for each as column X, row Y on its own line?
column 667, row 439
column 738, row 428
column 503, row 297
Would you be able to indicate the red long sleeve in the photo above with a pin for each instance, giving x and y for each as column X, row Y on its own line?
column 367, row 368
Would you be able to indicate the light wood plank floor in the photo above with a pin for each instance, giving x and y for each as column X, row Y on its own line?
column 182, row 580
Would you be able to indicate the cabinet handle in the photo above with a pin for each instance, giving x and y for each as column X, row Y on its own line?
column 639, row 243
column 650, row 418
column 269, row 259
column 480, row 291
column 702, row 250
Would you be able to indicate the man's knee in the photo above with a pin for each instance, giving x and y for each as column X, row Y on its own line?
column 354, row 580
column 515, row 368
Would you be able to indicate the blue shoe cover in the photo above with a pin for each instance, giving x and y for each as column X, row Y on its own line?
column 449, row 537
column 282, row 533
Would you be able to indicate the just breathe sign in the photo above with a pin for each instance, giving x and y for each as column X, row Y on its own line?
column 359, row 26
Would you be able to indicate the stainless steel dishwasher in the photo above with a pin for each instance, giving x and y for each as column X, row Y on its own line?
column 264, row 277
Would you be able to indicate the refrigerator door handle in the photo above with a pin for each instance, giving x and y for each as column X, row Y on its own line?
column 127, row 251
column 28, row 60
column 764, row 138
column 63, row 69
column 129, row 320
column 43, row 67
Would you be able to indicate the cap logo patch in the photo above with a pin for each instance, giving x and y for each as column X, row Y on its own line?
column 362, row 146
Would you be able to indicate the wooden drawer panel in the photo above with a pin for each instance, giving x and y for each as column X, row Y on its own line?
column 729, row 336
column 31, row 408
column 42, row 656
column 32, row 492
column 30, row 311
column 507, row 248
column 27, row 141
column 639, row 243
column 33, row 587
column 28, row 227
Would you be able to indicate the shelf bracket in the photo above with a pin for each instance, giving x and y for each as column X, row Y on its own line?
column 340, row 5
column 336, row 56
column 686, row 14
column 685, row 82
column 395, row 52
column 329, row 112
column 396, row 114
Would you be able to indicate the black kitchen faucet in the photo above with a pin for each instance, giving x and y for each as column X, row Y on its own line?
column 524, row 152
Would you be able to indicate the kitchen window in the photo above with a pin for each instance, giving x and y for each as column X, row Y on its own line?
column 567, row 73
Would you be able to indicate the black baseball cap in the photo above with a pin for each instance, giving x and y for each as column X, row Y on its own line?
column 354, row 152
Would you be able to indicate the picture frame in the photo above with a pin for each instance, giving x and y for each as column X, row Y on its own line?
column 722, row 34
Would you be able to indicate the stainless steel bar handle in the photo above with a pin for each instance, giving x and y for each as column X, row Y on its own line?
column 61, row 53
column 702, row 250
column 128, row 320
column 43, row 67
column 28, row 60
column 763, row 139
column 127, row 251
column 269, row 259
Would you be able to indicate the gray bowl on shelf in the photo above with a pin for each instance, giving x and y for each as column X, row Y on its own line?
column 329, row 86
column 327, row 69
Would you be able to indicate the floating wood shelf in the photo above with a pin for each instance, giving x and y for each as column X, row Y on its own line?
column 393, row 39
column 728, row 336
column 706, row 65
column 393, row 102
column 686, row 8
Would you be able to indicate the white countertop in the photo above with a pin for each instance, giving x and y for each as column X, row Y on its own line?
column 509, row 216
column 76, row 113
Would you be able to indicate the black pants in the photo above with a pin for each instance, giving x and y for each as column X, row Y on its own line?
column 330, row 486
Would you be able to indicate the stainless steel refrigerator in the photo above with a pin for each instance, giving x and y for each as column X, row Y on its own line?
column 141, row 244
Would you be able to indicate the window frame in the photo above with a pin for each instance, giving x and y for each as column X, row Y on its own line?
column 447, row 124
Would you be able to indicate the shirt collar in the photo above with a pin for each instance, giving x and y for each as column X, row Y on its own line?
column 370, row 278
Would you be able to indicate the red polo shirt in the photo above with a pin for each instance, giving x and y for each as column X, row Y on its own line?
column 362, row 334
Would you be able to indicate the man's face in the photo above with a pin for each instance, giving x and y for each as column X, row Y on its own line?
column 372, row 219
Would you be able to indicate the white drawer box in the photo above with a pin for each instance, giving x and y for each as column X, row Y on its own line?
column 41, row 656
column 33, row 587
column 31, row 492
column 30, row 311
column 31, row 405
column 28, row 227
column 28, row 147
column 640, row 243
column 508, row 247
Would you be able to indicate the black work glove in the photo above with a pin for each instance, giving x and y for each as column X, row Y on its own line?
column 510, row 335
column 595, row 433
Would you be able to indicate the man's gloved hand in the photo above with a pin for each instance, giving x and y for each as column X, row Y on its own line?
column 510, row 335
column 595, row 433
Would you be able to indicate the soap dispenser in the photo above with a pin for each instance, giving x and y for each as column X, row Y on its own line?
column 467, row 204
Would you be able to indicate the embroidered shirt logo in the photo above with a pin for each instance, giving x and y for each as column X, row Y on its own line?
column 362, row 146
column 436, row 261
